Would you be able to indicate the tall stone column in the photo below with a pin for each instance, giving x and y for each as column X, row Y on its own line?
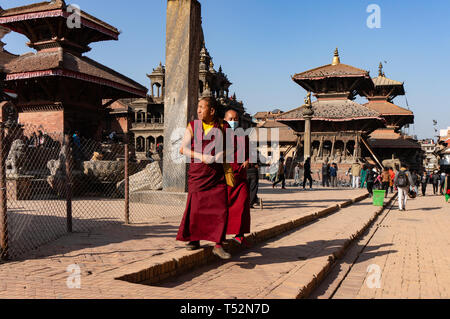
column 307, row 141
column 307, row 115
column 183, row 44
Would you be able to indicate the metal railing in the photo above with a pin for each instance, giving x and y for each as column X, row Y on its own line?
column 54, row 184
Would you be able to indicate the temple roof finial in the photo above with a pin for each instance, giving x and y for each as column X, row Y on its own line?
column 380, row 70
column 336, row 59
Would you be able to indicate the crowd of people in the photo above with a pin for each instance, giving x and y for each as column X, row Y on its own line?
column 370, row 177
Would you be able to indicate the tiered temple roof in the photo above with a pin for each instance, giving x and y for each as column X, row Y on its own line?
column 335, row 80
column 60, row 48
column 335, row 85
column 381, row 98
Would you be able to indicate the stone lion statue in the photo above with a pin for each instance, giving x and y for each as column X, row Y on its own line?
column 16, row 158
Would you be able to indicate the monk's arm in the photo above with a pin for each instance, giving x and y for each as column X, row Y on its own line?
column 186, row 146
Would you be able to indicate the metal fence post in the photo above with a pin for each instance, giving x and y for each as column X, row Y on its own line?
column 3, row 198
column 127, row 186
column 68, row 164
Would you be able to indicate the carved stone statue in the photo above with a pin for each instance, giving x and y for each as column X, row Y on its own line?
column 16, row 159
column 57, row 177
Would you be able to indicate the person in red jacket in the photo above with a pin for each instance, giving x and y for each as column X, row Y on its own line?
column 238, row 196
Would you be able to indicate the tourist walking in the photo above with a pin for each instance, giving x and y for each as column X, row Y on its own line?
column 253, row 183
column 370, row 179
column 443, row 175
column 307, row 173
column 416, row 180
column 333, row 175
column 363, row 176
column 297, row 181
column 385, row 181
column 325, row 175
column 392, row 174
column 238, row 195
column 206, row 214
column 281, row 177
column 356, row 173
column 403, row 181
column 447, row 188
column 425, row 179
column 435, row 178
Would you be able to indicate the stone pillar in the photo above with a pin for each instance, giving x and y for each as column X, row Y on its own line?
column 332, row 147
column 183, row 44
column 307, row 139
column 345, row 149
column 356, row 151
column 320, row 154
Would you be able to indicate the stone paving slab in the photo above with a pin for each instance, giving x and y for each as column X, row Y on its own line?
column 409, row 250
column 278, row 269
column 100, row 253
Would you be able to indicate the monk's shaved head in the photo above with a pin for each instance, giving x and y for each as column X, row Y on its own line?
column 231, row 115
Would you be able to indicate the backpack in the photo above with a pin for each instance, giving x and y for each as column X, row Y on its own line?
column 402, row 180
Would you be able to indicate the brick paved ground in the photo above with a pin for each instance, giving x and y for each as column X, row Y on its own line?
column 99, row 253
column 411, row 249
column 278, row 268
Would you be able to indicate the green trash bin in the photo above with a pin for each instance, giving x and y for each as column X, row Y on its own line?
column 378, row 197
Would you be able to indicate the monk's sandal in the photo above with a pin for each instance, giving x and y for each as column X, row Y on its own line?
column 193, row 245
column 222, row 254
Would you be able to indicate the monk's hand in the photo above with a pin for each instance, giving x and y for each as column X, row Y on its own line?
column 208, row 159
column 245, row 164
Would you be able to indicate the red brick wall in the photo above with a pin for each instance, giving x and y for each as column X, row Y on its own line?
column 47, row 121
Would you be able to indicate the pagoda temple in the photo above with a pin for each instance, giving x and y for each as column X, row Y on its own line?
column 59, row 89
column 339, row 124
column 390, row 143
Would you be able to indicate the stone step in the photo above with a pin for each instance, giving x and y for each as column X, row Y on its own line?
column 289, row 266
column 182, row 261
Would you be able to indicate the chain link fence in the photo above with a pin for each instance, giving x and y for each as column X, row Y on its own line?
column 54, row 184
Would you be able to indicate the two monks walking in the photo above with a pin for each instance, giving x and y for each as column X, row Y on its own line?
column 214, row 209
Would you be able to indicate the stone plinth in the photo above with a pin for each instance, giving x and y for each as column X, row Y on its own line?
column 183, row 44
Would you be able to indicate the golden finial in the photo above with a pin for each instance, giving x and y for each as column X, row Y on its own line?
column 336, row 59
column 380, row 70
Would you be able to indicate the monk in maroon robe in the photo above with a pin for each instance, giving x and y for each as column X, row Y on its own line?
column 206, row 212
column 238, row 196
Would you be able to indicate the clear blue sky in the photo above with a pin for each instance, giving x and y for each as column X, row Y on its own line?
column 261, row 43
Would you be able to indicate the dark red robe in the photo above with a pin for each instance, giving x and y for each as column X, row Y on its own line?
column 205, row 217
column 239, row 196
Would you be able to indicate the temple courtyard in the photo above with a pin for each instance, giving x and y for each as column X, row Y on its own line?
column 320, row 243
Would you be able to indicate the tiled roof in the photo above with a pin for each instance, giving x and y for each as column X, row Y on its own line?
column 5, row 57
column 30, row 11
column 393, row 143
column 333, row 110
column 48, row 6
column 384, row 81
column 386, row 108
column 59, row 62
column 329, row 71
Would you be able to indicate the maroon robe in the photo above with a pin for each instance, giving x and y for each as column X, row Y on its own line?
column 206, row 212
column 239, row 196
